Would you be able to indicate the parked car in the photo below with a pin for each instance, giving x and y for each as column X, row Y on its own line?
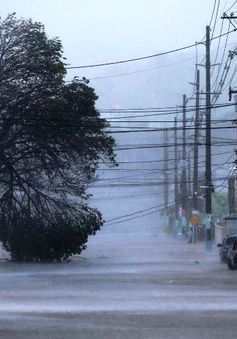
column 232, row 257
column 225, row 246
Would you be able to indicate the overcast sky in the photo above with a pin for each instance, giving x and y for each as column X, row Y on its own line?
column 101, row 30
column 97, row 31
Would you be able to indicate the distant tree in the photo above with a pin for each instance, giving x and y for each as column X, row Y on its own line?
column 220, row 205
column 51, row 141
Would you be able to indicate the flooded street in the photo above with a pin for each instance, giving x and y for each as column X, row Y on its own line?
column 114, row 113
column 125, row 285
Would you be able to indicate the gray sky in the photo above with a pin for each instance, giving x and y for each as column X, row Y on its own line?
column 95, row 31
column 100, row 30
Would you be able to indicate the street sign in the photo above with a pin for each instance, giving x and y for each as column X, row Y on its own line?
column 196, row 219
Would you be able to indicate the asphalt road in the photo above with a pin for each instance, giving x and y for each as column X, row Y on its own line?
column 127, row 284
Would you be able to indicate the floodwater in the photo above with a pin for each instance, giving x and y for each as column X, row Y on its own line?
column 134, row 284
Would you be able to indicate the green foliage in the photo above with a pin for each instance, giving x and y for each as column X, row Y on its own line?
column 220, row 205
column 33, row 239
column 52, row 140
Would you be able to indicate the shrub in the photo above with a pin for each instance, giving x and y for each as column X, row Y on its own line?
column 29, row 239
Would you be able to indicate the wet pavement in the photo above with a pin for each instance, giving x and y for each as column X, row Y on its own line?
column 129, row 283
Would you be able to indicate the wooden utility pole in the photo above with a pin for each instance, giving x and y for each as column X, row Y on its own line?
column 189, row 186
column 189, row 177
column 196, row 145
column 176, row 184
column 166, row 176
column 210, row 232
column 208, row 175
column 184, row 178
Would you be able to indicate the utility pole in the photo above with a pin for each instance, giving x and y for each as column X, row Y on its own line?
column 208, row 126
column 176, row 185
column 233, row 179
column 166, row 176
column 189, row 177
column 208, row 184
column 184, row 179
column 196, row 145
column 189, row 212
column 231, row 17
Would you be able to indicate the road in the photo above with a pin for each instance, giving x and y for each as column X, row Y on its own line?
column 129, row 283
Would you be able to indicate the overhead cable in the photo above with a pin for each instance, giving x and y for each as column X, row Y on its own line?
column 144, row 57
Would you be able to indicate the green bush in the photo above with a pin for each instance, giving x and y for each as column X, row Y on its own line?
column 29, row 239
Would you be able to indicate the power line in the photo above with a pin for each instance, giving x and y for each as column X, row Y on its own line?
column 148, row 171
column 140, row 70
column 151, row 172
column 141, row 58
column 161, row 160
column 218, row 47
column 111, row 120
column 170, row 128
column 135, row 216
column 142, row 211
column 160, row 108
column 136, row 183
column 158, row 112
column 231, row 6
column 151, row 130
column 219, row 86
column 214, row 26
column 213, row 11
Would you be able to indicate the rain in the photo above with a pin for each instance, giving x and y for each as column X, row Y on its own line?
column 144, row 274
